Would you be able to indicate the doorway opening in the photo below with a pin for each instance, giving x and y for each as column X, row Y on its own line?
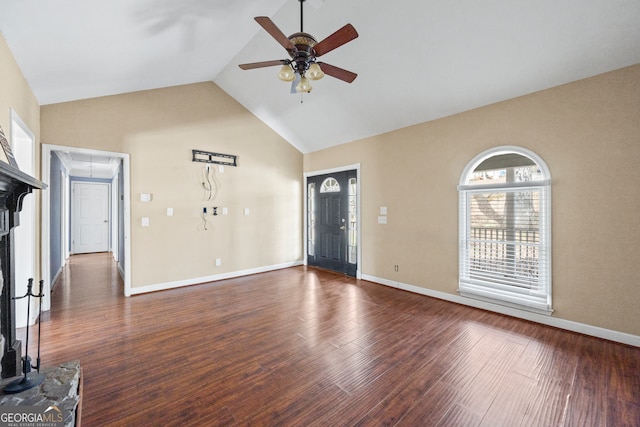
column 332, row 231
column 22, row 146
column 66, row 167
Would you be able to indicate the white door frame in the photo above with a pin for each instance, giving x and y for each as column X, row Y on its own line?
column 355, row 167
column 114, row 218
column 47, row 149
column 23, row 146
column 74, row 213
column 65, row 215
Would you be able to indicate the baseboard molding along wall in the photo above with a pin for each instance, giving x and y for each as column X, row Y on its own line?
column 214, row 278
column 56, row 277
column 568, row 325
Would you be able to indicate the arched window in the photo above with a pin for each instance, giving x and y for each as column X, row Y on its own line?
column 505, row 229
column 330, row 185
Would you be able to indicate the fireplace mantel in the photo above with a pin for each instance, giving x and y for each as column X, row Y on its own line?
column 14, row 186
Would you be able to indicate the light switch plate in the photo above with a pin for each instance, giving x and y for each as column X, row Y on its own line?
column 169, row 211
column 145, row 221
column 383, row 210
column 382, row 219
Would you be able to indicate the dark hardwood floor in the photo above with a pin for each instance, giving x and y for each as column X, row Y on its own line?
column 304, row 347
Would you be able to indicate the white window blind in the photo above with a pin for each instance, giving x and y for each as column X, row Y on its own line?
column 505, row 236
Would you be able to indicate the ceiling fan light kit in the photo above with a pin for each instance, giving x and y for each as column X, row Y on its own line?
column 286, row 73
column 303, row 86
column 315, row 72
column 304, row 49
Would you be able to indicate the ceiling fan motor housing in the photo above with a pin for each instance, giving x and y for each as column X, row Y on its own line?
column 304, row 54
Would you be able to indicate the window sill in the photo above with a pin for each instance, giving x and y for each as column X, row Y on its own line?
column 543, row 311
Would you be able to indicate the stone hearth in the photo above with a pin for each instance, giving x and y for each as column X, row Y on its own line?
column 62, row 388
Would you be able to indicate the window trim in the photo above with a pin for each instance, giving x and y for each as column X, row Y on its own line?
column 495, row 293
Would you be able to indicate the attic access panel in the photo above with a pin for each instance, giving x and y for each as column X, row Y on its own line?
column 211, row 157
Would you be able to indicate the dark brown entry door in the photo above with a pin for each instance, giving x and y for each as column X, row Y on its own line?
column 332, row 222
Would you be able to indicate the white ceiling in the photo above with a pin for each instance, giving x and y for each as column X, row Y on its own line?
column 89, row 165
column 417, row 60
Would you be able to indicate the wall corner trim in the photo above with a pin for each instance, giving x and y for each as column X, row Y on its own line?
column 569, row 325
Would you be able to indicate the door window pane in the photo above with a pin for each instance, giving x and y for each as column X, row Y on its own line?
column 330, row 185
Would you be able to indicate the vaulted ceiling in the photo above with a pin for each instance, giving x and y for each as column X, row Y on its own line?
column 417, row 60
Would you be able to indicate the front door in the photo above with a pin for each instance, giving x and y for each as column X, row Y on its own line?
column 90, row 217
column 332, row 214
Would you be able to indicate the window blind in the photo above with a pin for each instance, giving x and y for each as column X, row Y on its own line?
column 505, row 243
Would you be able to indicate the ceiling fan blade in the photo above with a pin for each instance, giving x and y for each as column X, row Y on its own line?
column 337, row 39
column 294, row 83
column 337, row 72
column 253, row 65
column 275, row 32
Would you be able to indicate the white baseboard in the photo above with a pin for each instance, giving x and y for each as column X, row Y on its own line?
column 121, row 271
column 56, row 276
column 214, row 278
column 568, row 325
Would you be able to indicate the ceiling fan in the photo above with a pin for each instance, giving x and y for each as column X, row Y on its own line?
column 304, row 49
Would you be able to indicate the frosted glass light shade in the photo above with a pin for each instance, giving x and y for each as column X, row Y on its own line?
column 286, row 74
column 315, row 72
column 304, row 85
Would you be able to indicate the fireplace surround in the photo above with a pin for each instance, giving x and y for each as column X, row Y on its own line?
column 14, row 186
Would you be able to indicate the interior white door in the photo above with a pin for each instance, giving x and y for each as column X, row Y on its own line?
column 90, row 217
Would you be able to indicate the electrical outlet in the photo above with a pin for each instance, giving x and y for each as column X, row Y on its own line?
column 396, row 268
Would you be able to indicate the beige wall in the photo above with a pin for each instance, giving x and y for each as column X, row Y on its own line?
column 16, row 95
column 159, row 128
column 588, row 133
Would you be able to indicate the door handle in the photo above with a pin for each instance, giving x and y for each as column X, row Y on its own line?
column 106, row 220
column 343, row 227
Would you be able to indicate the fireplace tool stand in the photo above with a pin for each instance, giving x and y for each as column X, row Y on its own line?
column 29, row 381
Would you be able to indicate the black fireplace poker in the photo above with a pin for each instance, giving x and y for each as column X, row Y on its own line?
column 28, row 381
